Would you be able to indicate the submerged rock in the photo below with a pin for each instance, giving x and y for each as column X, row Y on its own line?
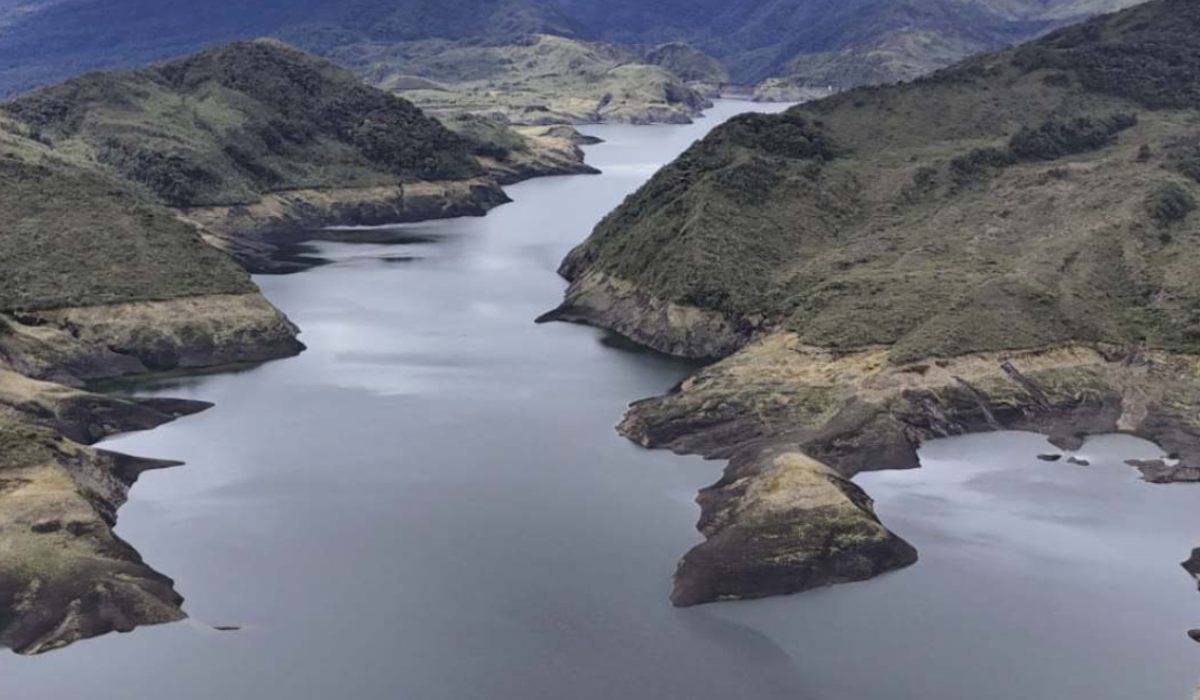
column 1158, row 471
column 1192, row 565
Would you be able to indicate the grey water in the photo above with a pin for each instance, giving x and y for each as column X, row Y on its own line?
column 432, row 503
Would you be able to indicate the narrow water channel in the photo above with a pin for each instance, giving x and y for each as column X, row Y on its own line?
column 432, row 503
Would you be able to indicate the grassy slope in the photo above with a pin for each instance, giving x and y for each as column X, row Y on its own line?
column 85, row 167
column 230, row 124
column 75, row 236
column 906, row 236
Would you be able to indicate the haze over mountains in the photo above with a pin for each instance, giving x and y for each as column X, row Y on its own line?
column 813, row 42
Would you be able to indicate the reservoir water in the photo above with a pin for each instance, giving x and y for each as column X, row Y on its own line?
column 432, row 503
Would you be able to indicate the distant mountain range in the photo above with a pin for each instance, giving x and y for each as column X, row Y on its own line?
column 834, row 40
column 839, row 42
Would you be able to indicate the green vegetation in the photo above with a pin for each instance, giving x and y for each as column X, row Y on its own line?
column 984, row 208
column 1052, row 140
column 86, row 167
column 974, row 166
column 1170, row 204
column 1147, row 60
column 1185, row 158
column 74, row 236
column 488, row 138
column 539, row 79
column 688, row 63
column 1057, row 138
column 230, row 124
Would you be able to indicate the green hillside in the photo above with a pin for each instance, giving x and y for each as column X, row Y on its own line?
column 1023, row 198
column 229, row 124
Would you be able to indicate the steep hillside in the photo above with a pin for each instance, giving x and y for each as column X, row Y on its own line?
column 51, row 241
column 1006, row 243
column 845, row 206
column 478, row 45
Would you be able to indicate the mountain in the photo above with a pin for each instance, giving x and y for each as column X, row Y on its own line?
column 111, row 187
column 539, row 79
column 256, row 141
column 228, row 125
column 1003, row 244
column 56, row 39
column 844, row 43
column 812, row 42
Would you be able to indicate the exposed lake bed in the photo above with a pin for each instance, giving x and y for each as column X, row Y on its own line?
column 431, row 502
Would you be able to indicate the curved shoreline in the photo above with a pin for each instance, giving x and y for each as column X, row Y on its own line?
column 89, row 581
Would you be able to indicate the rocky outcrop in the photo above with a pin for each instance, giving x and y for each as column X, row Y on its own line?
column 82, row 416
column 781, row 90
column 833, row 415
column 1165, row 471
column 1192, row 565
column 254, row 233
column 781, row 522
column 549, row 150
column 64, row 575
column 676, row 329
column 72, row 345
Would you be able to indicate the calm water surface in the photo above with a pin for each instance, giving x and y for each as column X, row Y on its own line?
column 432, row 503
